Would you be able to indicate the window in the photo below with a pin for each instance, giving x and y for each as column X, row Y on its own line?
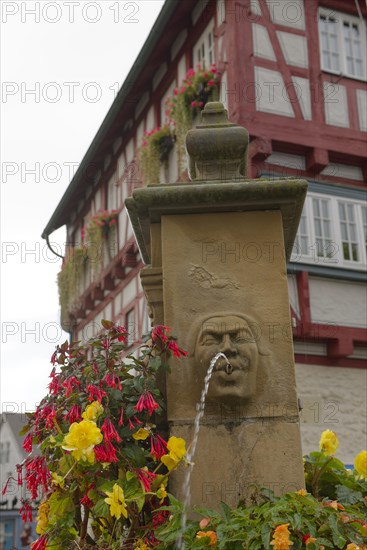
column 4, row 452
column 342, row 44
column 332, row 232
column 322, row 227
column 203, row 52
column 348, row 231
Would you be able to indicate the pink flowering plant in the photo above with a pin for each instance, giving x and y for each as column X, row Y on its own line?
column 102, row 467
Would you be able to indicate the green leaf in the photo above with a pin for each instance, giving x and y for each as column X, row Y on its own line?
column 347, row 496
column 101, row 509
column 106, row 324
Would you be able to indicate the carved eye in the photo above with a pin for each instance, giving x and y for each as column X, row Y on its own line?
column 211, row 339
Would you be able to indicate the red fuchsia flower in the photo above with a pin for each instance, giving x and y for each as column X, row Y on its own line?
column 109, row 431
column 159, row 518
column 54, row 357
column 87, row 502
column 122, row 333
column 194, row 104
column 146, row 478
column 159, row 333
column 40, row 544
column 95, row 393
column 201, row 103
column 27, row 443
column 146, row 402
column 19, row 468
column 121, row 419
column 105, row 452
column 74, row 414
column 5, row 488
column 70, row 383
column 112, row 380
column 26, row 511
column 105, row 343
column 177, row 352
column 191, row 72
column 158, row 446
column 37, row 475
column 55, row 386
column 211, row 83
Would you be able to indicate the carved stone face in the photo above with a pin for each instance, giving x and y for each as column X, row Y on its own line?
column 232, row 336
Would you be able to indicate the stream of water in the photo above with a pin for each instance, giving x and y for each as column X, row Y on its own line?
column 200, row 408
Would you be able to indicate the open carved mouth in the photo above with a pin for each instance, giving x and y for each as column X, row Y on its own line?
column 229, row 368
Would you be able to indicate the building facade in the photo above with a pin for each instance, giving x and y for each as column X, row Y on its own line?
column 14, row 533
column 294, row 74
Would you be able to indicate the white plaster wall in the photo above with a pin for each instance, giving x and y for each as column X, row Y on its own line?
column 223, row 90
column 129, row 293
column 261, row 42
column 130, row 150
column 333, row 398
column 336, row 105
column 150, row 123
column 302, row 86
column 9, row 467
column 221, row 12
column 271, row 94
column 290, row 14
column 362, row 109
column 294, row 48
column 338, row 302
column 181, row 69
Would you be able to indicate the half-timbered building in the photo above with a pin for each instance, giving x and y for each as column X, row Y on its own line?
column 294, row 74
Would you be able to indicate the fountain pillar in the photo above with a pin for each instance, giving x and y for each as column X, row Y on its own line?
column 217, row 249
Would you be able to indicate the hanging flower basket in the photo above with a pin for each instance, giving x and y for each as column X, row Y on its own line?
column 154, row 152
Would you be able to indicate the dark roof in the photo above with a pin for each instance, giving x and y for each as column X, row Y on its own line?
column 171, row 8
column 16, row 422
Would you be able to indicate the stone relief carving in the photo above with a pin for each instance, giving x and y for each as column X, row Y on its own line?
column 235, row 335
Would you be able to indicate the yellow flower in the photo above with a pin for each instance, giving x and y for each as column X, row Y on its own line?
column 310, row 540
column 57, row 480
column 360, row 463
column 140, row 545
column 328, row 442
column 81, row 439
column 42, row 517
column 161, row 493
column 352, row 546
column 177, row 450
column 302, row 492
column 141, row 434
column 209, row 534
column 93, row 411
column 116, row 500
column 281, row 539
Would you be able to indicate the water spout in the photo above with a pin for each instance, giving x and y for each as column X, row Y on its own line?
column 200, row 407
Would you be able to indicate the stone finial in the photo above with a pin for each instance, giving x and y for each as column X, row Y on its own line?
column 216, row 148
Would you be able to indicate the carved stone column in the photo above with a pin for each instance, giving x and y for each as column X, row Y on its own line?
column 218, row 249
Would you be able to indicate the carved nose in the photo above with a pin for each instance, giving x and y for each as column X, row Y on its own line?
column 227, row 346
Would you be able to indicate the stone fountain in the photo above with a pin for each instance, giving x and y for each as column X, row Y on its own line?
column 216, row 250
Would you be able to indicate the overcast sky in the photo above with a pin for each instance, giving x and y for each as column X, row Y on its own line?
column 61, row 65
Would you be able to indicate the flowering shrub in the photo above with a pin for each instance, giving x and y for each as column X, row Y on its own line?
column 98, row 229
column 154, row 151
column 330, row 513
column 103, row 468
column 68, row 280
column 199, row 87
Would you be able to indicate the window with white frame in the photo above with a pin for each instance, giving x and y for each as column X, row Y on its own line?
column 342, row 43
column 333, row 232
column 203, row 51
